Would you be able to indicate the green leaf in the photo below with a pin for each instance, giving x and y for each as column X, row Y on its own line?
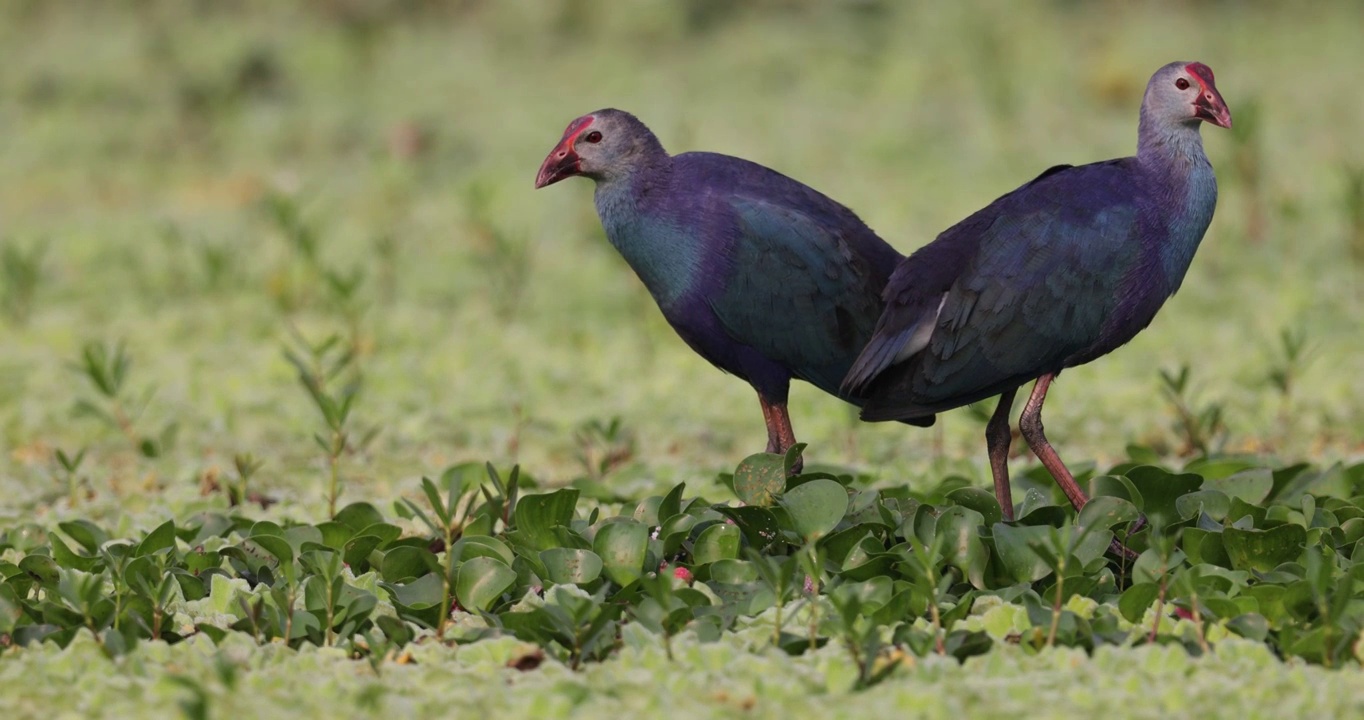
column 42, row 569
column 1160, row 491
column 358, row 516
column 816, row 507
column 671, row 504
column 68, row 559
column 86, row 533
column 1213, row 502
column 622, row 547
column 481, row 581
column 473, row 546
column 980, row 500
column 536, row 516
column 760, row 478
column 1136, row 599
column 571, row 566
column 420, row 594
column 1252, row 486
column 406, row 563
column 335, row 535
column 1106, row 512
column 162, row 538
column 1264, row 550
column 717, row 542
column 1012, row 544
column 959, row 530
column 759, row 525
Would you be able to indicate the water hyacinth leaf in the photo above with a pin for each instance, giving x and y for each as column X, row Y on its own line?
column 958, row 529
column 358, row 516
column 1013, row 545
column 671, row 504
column 472, row 546
column 1106, row 512
column 1213, row 502
column 1136, row 599
column 274, row 545
column 358, row 549
column 385, row 532
column 622, row 547
column 420, row 594
column 759, row 525
column 1152, row 566
column 717, row 542
column 335, row 534
column 565, row 566
column 481, row 581
column 733, row 572
column 1160, row 491
column 1252, row 485
column 402, row 564
column 815, row 507
column 760, row 478
column 980, row 500
column 536, row 516
column 1264, row 550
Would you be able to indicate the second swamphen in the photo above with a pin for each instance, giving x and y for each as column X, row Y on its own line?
column 1057, row 273
column 761, row 275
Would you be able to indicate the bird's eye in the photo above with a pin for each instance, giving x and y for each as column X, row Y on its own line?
column 595, row 137
column 1182, row 84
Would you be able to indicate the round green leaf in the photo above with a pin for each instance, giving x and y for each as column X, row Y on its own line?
column 1252, row 486
column 1263, row 550
column 733, row 572
column 816, row 507
column 359, row 515
column 1136, row 599
column 622, row 547
column 1106, row 511
column 760, row 478
column 405, row 563
column 980, row 500
column 959, row 528
column 481, row 581
column 717, row 542
column 1160, row 491
column 1019, row 560
column 571, row 566
column 473, row 546
column 1213, row 502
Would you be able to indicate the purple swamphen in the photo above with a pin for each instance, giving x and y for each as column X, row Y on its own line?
column 761, row 275
column 1057, row 273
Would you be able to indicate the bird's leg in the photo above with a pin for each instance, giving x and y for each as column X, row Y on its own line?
column 997, row 440
column 780, row 436
column 1030, row 424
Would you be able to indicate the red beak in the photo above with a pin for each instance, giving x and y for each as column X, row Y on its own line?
column 1209, row 106
column 561, row 163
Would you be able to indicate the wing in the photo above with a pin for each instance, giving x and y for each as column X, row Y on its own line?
column 800, row 292
column 1036, row 280
column 917, row 291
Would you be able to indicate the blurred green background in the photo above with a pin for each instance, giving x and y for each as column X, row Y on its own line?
column 203, row 179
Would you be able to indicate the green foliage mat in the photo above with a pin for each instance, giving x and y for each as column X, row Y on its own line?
column 849, row 587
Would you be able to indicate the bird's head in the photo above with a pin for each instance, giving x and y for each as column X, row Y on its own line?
column 599, row 145
column 1184, row 92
